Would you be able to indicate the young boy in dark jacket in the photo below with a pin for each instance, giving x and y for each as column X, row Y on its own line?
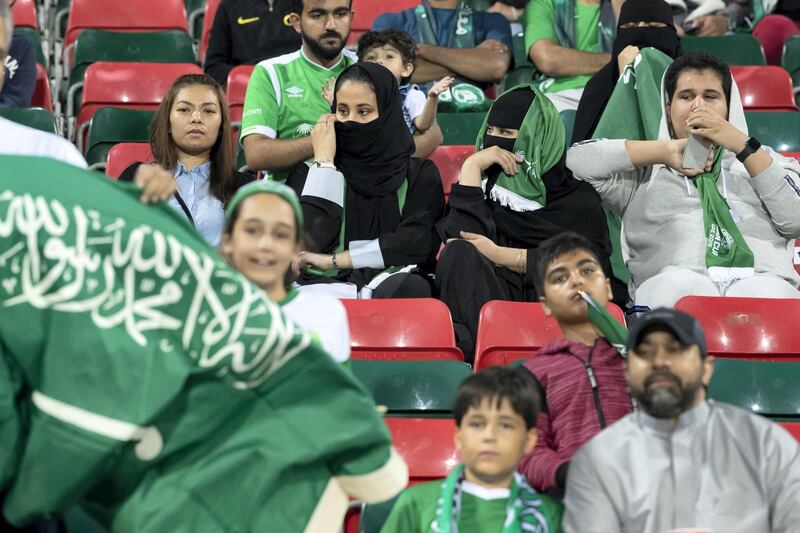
column 582, row 375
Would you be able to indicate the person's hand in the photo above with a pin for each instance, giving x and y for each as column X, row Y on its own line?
column 674, row 158
column 494, row 45
column 511, row 13
column 424, row 50
column 323, row 138
column 156, row 183
column 716, row 129
column 327, row 90
column 710, row 25
column 440, row 86
column 308, row 260
column 494, row 154
column 627, row 56
column 484, row 244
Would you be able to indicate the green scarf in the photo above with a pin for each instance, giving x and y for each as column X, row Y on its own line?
column 564, row 24
column 541, row 143
column 522, row 498
column 608, row 326
column 727, row 255
column 462, row 95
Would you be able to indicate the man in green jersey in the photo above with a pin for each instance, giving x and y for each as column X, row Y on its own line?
column 284, row 96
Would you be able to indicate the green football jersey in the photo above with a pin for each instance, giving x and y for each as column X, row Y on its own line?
column 284, row 96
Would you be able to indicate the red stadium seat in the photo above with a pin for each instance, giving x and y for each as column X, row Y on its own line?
column 236, row 89
column 24, row 14
column 208, row 21
column 796, row 155
column 448, row 160
column 141, row 15
column 401, row 329
column 747, row 328
column 127, row 85
column 509, row 331
column 793, row 428
column 764, row 88
column 427, row 446
column 366, row 11
column 123, row 154
column 42, row 96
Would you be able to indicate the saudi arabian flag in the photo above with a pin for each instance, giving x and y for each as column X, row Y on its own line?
column 145, row 379
column 608, row 326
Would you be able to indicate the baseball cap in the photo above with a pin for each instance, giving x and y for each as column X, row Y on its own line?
column 683, row 326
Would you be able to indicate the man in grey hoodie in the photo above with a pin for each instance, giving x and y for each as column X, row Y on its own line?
column 722, row 230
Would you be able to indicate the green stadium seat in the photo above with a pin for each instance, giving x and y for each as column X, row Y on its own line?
column 780, row 131
column 36, row 38
column 111, row 125
column 34, row 117
column 412, row 387
column 460, row 128
column 374, row 515
column 765, row 388
column 791, row 62
column 195, row 9
column 737, row 49
column 169, row 46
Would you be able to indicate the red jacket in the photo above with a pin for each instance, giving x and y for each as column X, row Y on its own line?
column 572, row 416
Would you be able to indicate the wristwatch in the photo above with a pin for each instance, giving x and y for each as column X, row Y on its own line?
column 750, row 147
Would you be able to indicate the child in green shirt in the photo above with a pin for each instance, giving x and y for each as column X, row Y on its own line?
column 495, row 413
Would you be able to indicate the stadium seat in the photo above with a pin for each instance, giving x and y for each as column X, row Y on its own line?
column 366, row 11
column 373, row 516
column 793, row 428
column 401, row 329
column 169, row 46
column 749, row 328
column 460, row 128
column 35, row 37
column 511, row 331
column 765, row 388
column 448, row 159
column 121, row 155
column 111, row 125
column 568, row 119
column 426, row 445
column 127, row 85
column 776, row 130
column 34, row 117
column 236, row 89
column 790, row 61
column 42, row 95
column 195, row 11
column 766, row 88
column 142, row 15
column 412, row 388
column 208, row 21
column 737, row 49
column 24, row 14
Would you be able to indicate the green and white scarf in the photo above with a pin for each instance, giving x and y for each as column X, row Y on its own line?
column 522, row 511
column 608, row 326
column 540, row 142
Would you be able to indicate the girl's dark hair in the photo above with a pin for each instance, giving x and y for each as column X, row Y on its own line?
column 399, row 40
column 357, row 74
column 222, row 184
column 498, row 383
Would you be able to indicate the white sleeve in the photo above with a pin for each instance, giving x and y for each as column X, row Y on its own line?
column 415, row 102
column 336, row 338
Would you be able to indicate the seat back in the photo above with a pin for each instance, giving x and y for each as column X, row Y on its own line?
column 33, row 117
column 751, row 328
column 112, row 125
column 775, row 129
column 121, row 155
column 35, row 37
column 460, row 128
column 401, row 329
column 366, row 11
column 141, row 15
column 510, row 331
column 208, row 21
column 24, row 14
column 765, row 388
column 236, row 90
column 42, row 96
column 790, row 59
column 764, row 88
column 412, row 388
column 426, row 445
column 793, row 428
column 737, row 49
column 448, row 159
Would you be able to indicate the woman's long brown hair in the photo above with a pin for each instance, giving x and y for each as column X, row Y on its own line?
column 222, row 184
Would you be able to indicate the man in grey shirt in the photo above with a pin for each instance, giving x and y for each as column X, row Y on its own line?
column 682, row 461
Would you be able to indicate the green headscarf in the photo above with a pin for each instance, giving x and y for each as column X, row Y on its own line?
column 268, row 187
column 540, row 142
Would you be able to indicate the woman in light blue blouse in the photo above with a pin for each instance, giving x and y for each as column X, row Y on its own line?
column 191, row 138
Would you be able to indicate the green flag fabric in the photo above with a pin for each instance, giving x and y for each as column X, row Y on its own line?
column 540, row 142
column 145, row 379
column 608, row 326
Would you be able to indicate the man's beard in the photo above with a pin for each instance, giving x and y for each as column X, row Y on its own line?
column 326, row 54
column 666, row 402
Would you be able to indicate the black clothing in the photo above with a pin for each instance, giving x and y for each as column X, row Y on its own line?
column 246, row 32
column 599, row 88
